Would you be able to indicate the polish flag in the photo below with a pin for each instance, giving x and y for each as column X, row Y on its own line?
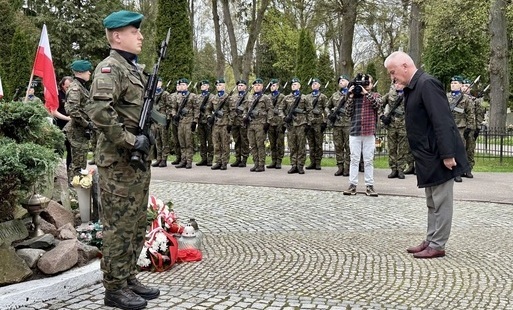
column 43, row 67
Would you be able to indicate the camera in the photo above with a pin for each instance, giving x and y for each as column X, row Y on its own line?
column 361, row 80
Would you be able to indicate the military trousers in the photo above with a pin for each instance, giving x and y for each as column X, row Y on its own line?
column 162, row 142
column 221, row 139
column 240, row 137
column 256, row 137
column 276, row 137
column 296, row 138
column 341, row 142
column 124, row 197
column 174, row 141
column 206, row 146
column 186, row 141
column 79, row 149
column 315, row 138
column 471, row 149
column 398, row 148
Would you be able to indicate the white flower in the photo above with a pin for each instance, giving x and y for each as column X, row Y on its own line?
column 143, row 261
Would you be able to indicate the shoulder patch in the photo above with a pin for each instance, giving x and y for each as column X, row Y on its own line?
column 106, row 70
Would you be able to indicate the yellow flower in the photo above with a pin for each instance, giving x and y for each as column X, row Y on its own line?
column 76, row 181
column 86, row 181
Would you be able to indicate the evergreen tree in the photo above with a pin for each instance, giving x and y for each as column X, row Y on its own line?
column 326, row 74
column 205, row 64
column 23, row 47
column 7, row 28
column 306, row 57
column 179, row 61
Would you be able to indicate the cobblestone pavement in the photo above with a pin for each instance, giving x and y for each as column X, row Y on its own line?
column 276, row 248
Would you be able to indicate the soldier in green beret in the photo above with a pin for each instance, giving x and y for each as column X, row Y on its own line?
column 276, row 133
column 79, row 129
column 340, row 124
column 117, row 98
column 238, row 129
column 160, row 132
column 186, row 115
column 220, row 119
column 172, row 125
column 206, row 147
column 315, row 135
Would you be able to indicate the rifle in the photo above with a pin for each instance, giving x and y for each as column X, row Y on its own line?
column 249, row 116
column 137, row 159
column 481, row 93
column 454, row 105
column 238, row 108
column 217, row 113
column 203, row 104
column 388, row 118
column 180, row 110
column 335, row 114
column 288, row 119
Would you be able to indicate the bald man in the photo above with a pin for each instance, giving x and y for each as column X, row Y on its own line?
column 436, row 146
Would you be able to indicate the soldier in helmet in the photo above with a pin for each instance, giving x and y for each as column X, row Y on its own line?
column 315, row 135
column 117, row 98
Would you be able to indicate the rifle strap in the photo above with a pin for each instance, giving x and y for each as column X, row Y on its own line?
column 204, row 102
column 295, row 105
column 454, row 105
column 397, row 103
column 182, row 105
column 255, row 103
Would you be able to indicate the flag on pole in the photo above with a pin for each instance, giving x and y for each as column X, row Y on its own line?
column 1, row 89
column 43, row 67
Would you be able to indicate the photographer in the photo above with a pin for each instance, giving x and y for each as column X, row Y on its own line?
column 362, row 108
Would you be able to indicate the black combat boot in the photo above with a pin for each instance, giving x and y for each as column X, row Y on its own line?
column 188, row 165
column 163, row 163
column 203, row 162
column 345, row 173
column 142, row 290
column 235, row 163
column 400, row 174
column 293, row 170
column 243, row 162
column 312, row 165
column 260, row 168
column 410, row 170
column 223, row 167
column 254, row 168
column 469, row 175
column 278, row 164
column 217, row 166
column 458, row 179
column 181, row 165
column 177, row 161
column 340, row 170
column 393, row 174
column 124, row 299
column 272, row 165
column 156, row 164
column 318, row 165
column 300, row 170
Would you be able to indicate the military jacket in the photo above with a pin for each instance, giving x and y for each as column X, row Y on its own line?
column 479, row 112
column 301, row 115
column 319, row 110
column 388, row 102
column 76, row 99
column 276, row 102
column 222, row 117
column 236, row 104
column 117, row 98
column 202, row 103
column 186, row 107
column 462, row 110
column 163, row 102
column 262, row 112
column 337, row 104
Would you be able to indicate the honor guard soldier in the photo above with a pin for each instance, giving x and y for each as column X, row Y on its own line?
column 276, row 133
column 160, row 132
column 296, row 113
column 462, row 109
column 315, row 135
column 479, row 113
column 220, row 120
column 256, row 118
column 239, row 130
column 340, row 124
column 186, row 116
column 80, row 128
column 206, row 147
column 117, row 98
column 173, row 126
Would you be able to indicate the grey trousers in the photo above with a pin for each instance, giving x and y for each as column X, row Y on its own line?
column 439, row 200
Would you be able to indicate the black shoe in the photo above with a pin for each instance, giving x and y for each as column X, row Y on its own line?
column 124, row 298
column 351, row 190
column 156, row 164
column 188, row 166
column 393, row 174
column 300, row 170
column 223, row 167
column 345, row 173
column 203, row 162
column 278, row 165
column 142, row 290
column 458, row 179
column 242, row 163
column 272, row 165
column 400, row 175
column 177, row 161
column 293, row 170
column 209, row 164
column 318, row 166
column 181, row 165
column 310, row 167
column 254, row 168
column 260, row 169
column 469, row 175
column 369, row 191
column 163, row 163
column 216, row 166
column 340, row 170
column 235, row 163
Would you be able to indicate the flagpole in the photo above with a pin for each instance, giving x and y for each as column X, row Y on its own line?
column 30, row 83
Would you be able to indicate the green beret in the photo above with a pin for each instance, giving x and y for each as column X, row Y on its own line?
column 295, row 80
column 122, row 19
column 183, row 80
column 274, row 81
column 467, row 81
column 457, row 78
column 81, row 66
column 242, row 82
column 316, row 80
column 342, row 77
column 204, row 82
column 258, row 81
column 220, row 81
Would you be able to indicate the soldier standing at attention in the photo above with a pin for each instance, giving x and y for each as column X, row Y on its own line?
column 276, row 133
column 117, row 97
column 160, row 131
column 257, row 114
column 296, row 112
column 340, row 124
column 204, row 130
column 479, row 113
column 186, row 116
column 220, row 120
column 239, row 131
column 79, row 129
column 462, row 109
column 174, row 103
column 315, row 135
column 393, row 119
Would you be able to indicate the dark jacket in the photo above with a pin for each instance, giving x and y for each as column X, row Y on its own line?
column 431, row 131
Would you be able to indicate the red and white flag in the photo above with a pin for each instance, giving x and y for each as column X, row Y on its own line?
column 43, row 67
column 1, row 89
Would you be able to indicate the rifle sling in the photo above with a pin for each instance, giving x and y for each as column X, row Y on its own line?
column 397, row 103
column 453, row 106
column 182, row 105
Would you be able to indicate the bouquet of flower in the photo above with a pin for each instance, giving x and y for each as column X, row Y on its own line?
column 92, row 235
column 84, row 180
column 160, row 248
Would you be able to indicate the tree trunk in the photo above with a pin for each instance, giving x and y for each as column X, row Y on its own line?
column 219, row 48
column 499, row 65
column 236, row 60
column 347, row 31
column 416, row 31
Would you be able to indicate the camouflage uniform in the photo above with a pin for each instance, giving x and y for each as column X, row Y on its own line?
column 239, row 130
column 463, row 113
column 479, row 113
column 296, row 135
column 174, row 142
column 398, row 147
column 221, row 125
column 206, row 148
column 315, row 135
column 117, row 97
column 340, row 126
column 276, row 133
column 186, row 114
column 78, row 130
column 161, row 131
column 256, row 121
